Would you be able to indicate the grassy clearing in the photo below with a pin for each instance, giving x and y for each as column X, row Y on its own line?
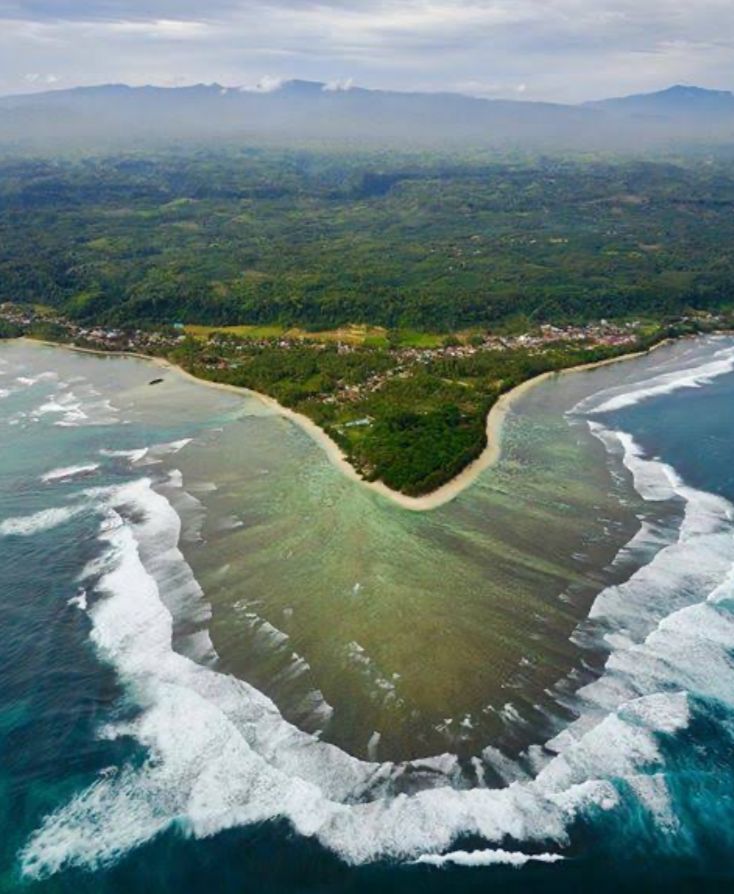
column 270, row 331
column 369, row 336
column 359, row 335
column 412, row 338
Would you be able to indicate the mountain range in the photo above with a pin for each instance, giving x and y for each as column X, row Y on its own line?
column 307, row 113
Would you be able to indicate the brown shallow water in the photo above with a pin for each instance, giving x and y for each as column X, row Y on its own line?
column 396, row 634
column 400, row 634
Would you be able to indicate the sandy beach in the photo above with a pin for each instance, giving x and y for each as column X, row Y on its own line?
column 322, row 591
column 439, row 497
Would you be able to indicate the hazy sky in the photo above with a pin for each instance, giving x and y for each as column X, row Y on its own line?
column 565, row 50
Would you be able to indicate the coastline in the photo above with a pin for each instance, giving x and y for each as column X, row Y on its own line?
column 437, row 498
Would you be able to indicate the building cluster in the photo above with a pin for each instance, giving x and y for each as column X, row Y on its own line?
column 223, row 351
column 104, row 339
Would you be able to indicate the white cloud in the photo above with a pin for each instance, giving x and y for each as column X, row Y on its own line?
column 338, row 85
column 38, row 78
column 564, row 50
column 266, row 84
column 166, row 29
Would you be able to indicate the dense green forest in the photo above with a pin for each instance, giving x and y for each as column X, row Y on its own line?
column 8, row 330
column 419, row 428
column 313, row 240
column 417, row 244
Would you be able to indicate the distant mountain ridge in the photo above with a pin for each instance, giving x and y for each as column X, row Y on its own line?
column 674, row 100
column 307, row 112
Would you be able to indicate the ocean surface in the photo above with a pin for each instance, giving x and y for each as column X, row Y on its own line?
column 226, row 667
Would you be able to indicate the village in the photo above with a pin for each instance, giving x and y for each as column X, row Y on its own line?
column 157, row 340
column 221, row 351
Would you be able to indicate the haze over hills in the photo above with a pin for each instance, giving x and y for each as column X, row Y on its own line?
column 304, row 112
column 671, row 103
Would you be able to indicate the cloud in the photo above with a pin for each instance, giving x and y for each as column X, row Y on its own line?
column 161, row 29
column 267, row 84
column 566, row 50
column 37, row 78
column 339, row 85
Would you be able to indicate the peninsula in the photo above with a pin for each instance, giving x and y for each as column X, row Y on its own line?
column 415, row 423
column 391, row 299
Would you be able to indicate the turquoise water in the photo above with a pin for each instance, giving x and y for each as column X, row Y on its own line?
column 130, row 761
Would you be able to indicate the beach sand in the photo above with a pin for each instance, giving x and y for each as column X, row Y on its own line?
column 439, row 497
column 327, row 597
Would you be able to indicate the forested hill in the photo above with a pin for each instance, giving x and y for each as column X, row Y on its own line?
column 320, row 240
column 308, row 114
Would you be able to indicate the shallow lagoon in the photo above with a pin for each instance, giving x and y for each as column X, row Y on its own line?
column 398, row 635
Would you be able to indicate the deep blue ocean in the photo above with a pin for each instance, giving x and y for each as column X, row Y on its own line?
column 126, row 766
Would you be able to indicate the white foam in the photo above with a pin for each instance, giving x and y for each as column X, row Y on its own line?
column 69, row 472
column 669, row 631
column 28, row 381
column 44, row 520
column 74, row 411
column 100, row 412
column 80, row 600
column 133, row 455
column 652, row 792
column 655, row 386
column 157, row 452
column 508, row 770
column 487, row 858
column 221, row 754
column 174, row 446
column 683, row 572
column 65, row 404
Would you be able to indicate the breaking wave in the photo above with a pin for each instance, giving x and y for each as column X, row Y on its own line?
column 664, row 383
column 38, row 522
column 487, row 858
column 221, row 755
column 69, row 472
column 67, row 407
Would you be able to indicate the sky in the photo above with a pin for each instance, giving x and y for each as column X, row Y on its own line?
column 554, row 50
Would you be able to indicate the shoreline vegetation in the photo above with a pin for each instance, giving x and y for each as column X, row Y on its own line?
column 390, row 299
column 443, row 494
column 451, row 489
column 411, row 419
